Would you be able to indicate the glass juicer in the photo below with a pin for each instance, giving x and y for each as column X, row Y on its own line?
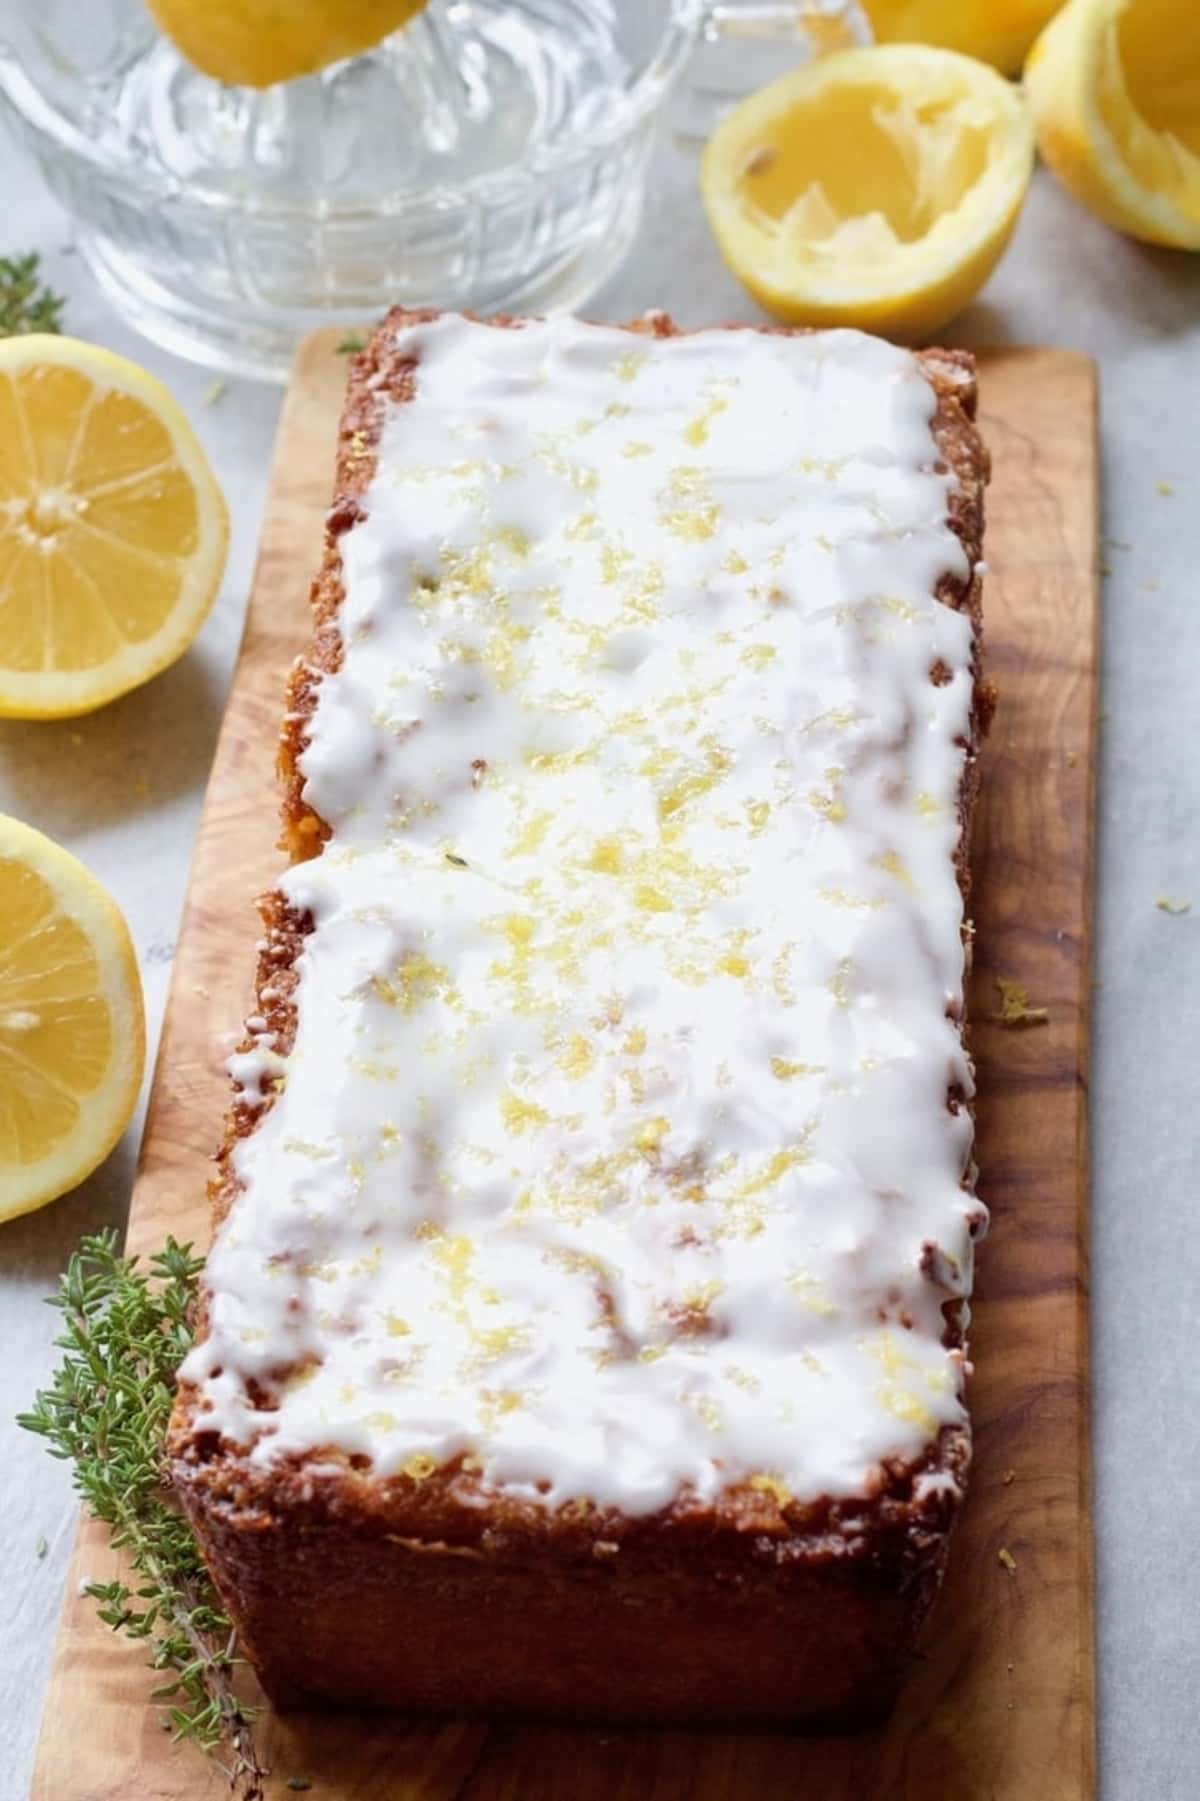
column 492, row 154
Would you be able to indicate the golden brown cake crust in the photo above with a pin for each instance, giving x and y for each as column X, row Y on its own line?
column 739, row 1610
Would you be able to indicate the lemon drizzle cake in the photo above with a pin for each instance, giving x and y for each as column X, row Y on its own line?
column 601, row 1156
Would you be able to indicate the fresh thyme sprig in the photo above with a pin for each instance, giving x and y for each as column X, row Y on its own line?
column 25, row 305
column 106, row 1411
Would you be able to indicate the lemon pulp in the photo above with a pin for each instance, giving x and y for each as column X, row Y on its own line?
column 71, row 1029
column 113, row 532
column 902, row 170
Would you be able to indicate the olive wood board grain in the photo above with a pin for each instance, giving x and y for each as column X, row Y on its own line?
column 1000, row 1706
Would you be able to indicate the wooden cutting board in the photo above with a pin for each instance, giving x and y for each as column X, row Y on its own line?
column 1001, row 1706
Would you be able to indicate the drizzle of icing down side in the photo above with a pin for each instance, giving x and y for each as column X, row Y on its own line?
column 613, row 1153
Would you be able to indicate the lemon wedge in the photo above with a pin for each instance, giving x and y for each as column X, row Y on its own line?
column 996, row 31
column 1114, row 88
column 113, row 532
column 247, row 44
column 72, row 1036
column 874, row 188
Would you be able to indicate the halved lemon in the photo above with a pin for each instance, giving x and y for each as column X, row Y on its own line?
column 996, row 31
column 72, row 1034
column 874, row 188
column 1114, row 88
column 247, row 44
column 113, row 531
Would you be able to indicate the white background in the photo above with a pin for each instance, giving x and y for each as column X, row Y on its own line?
column 123, row 789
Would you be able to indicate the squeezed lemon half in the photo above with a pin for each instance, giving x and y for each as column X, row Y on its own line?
column 1114, row 88
column 874, row 188
column 996, row 31
column 249, row 44
column 113, row 532
column 72, row 1036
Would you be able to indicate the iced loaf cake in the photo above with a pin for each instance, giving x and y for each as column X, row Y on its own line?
column 584, row 1331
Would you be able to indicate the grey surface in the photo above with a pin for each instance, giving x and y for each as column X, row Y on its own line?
column 124, row 788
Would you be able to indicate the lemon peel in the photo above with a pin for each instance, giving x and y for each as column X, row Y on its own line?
column 1114, row 91
column 874, row 188
column 246, row 44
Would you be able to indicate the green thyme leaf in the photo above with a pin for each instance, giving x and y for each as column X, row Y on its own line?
column 25, row 304
column 125, row 1332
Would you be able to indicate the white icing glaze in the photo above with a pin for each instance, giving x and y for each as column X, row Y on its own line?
column 616, row 1124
